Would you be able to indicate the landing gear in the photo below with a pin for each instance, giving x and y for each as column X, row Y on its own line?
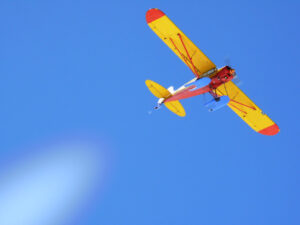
column 159, row 103
column 217, row 103
column 215, row 96
column 157, row 107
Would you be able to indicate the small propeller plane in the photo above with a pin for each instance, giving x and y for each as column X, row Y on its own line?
column 208, row 79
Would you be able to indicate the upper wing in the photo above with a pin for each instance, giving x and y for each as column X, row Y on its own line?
column 247, row 110
column 183, row 47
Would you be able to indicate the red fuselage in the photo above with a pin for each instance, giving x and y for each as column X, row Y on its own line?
column 221, row 77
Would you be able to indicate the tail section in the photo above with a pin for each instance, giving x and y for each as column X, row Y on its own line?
column 162, row 93
column 157, row 90
column 175, row 107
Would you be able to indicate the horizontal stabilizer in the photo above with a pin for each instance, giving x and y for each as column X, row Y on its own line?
column 175, row 107
column 162, row 93
column 157, row 90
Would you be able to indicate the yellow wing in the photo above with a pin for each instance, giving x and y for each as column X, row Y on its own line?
column 183, row 47
column 247, row 110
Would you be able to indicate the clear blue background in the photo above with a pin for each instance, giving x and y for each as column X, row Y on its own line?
column 80, row 66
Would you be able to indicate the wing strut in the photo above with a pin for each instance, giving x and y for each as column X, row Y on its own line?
column 237, row 108
column 184, row 57
column 251, row 107
column 190, row 58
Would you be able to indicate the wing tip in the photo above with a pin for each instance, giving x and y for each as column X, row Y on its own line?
column 182, row 115
column 148, row 82
column 271, row 130
column 153, row 14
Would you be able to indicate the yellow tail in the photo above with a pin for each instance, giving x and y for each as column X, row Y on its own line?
column 160, row 92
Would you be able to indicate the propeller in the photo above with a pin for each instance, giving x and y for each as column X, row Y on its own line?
column 236, row 79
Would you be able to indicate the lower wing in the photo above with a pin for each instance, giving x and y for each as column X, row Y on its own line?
column 247, row 110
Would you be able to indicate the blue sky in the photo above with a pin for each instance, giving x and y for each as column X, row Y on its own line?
column 78, row 67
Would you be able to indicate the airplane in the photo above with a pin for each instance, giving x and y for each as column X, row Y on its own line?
column 208, row 79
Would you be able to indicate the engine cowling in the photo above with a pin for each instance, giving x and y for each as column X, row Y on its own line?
column 224, row 75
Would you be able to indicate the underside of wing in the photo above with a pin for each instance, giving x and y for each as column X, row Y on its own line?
column 181, row 45
column 247, row 110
